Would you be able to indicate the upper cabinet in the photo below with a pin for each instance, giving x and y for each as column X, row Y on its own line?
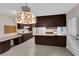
column 21, row 26
column 51, row 21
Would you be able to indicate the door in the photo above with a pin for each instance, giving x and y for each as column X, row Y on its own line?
column 72, row 26
column 72, row 42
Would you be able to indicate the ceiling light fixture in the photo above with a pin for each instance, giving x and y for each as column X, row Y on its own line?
column 25, row 16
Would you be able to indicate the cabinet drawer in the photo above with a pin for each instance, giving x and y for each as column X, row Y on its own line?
column 60, row 40
column 43, row 40
column 51, row 40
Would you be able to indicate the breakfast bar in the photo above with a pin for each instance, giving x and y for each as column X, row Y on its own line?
column 5, row 42
column 9, row 40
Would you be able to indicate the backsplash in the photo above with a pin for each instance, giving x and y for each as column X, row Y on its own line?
column 51, row 29
column 22, row 30
column 43, row 30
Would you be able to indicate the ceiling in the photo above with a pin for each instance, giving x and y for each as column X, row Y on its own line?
column 41, row 9
column 38, row 9
column 10, row 8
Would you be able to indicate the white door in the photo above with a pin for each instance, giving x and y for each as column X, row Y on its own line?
column 72, row 27
column 72, row 36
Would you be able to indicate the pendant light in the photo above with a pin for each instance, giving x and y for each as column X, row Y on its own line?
column 25, row 16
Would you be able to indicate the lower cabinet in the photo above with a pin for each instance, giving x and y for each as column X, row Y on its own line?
column 4, row 46
column 26, row 37
column 18, row 40
column 51, row 40
column 22, row 39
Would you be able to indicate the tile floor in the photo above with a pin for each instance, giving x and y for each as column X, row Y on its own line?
column 29, row 48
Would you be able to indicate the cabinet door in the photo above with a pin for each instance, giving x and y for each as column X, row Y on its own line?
column 5, row 46
column 51, row 21
column 27, row 36
column 60, row 41
column 17, row 40
column 24, row 37
column 44, row 40
column 20, row 26
column 51, row 40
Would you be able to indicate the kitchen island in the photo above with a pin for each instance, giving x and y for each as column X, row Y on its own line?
column 51, row 39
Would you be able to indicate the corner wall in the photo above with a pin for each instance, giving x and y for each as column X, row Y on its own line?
column 70, row 46
column 5, row 20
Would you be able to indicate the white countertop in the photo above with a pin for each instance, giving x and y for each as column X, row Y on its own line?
column 26, row 32
column 9, row 37
column 49, row 34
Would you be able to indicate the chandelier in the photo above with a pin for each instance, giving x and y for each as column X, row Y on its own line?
column 25, row 16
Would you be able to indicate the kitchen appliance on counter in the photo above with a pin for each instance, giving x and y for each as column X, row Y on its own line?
column 61, row 30
column 24, row 30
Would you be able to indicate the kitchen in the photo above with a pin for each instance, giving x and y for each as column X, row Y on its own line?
column 38, row 31
column 48, row 28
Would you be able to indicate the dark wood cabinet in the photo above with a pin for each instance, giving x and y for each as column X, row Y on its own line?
column 18, row 40
column 27, row 36
column 51, row 21
column 4, row 46
column 51, row 40
column 21, row 26
column 60, row 40
column 22, row 39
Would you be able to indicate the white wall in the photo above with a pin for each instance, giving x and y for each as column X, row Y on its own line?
column 75, row 43
column 42, row 9
column 5, row 20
